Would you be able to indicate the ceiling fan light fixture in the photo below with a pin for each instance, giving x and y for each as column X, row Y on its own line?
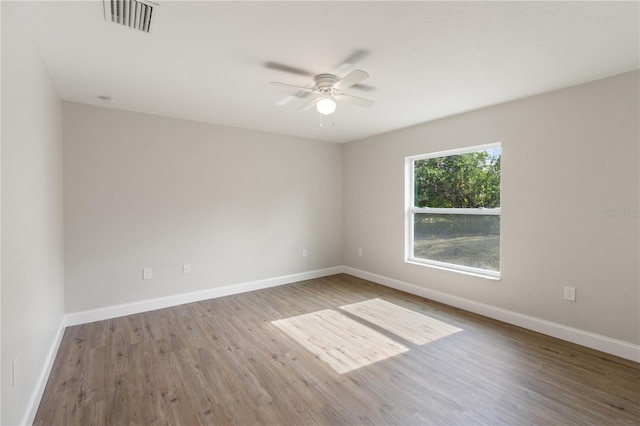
column 326, row 106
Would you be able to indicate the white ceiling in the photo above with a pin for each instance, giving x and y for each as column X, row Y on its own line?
column 205, row 61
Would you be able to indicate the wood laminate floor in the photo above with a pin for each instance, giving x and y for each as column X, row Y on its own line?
column 331, row 351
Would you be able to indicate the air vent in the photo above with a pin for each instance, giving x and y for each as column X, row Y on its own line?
column 134, row 14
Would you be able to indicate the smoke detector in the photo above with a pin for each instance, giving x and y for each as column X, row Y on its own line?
column 135, row 14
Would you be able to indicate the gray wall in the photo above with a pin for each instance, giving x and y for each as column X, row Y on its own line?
column 147, row 191
column 32, row 235
column 569, row 156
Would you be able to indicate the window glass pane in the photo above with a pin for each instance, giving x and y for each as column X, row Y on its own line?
column 470, row 180
column 468, row 240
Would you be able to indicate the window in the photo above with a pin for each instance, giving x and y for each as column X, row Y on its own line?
column 453, row 209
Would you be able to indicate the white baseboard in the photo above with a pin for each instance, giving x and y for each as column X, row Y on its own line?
column 43, row 378
column 591, row 340
column 108, row 312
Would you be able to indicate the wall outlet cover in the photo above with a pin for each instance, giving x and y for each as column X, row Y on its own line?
column 570, row 294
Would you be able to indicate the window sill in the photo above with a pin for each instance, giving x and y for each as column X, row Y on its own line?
column 494, row 276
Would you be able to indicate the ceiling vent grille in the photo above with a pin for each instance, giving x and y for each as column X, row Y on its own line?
column 135, row 14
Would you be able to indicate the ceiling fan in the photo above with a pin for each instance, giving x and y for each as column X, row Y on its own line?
column 328, row 89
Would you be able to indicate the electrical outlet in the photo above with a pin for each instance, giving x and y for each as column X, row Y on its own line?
column 186, row 268
column 570, row 293
column 360, row 251
column 146, row 274
column 304, row 252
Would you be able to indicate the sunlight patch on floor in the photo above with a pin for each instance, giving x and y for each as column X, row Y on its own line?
column 410, row 325
column 339, row 341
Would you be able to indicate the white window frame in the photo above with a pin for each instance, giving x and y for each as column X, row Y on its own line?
column 410, row 211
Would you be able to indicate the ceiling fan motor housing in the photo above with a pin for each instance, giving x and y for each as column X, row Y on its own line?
column 325, row 81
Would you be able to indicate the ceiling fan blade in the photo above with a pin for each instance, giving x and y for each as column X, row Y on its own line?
column 356, row 56
column 287, row 68
column 364, row 87
column 292, row 87
column 289, row 98
column 349, row 61
column 366, row 103
column 310, row 104
column 350, row 79
column 286, row 100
